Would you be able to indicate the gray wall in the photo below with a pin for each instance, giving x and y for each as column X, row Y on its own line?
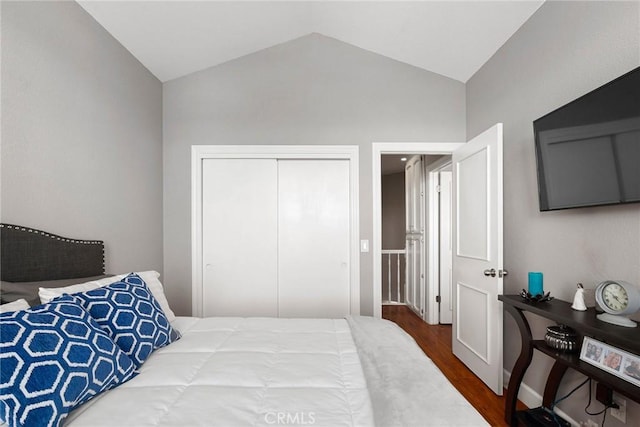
column 565, row 50
column 81, row 134
column 312, row 90
column 393, row 211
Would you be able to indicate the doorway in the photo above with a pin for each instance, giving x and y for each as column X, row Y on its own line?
column 408, row 149
column 416, row 234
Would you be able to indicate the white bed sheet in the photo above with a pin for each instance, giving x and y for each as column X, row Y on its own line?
column 242, row 372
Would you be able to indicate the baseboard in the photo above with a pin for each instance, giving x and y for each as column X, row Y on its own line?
column 532, row 399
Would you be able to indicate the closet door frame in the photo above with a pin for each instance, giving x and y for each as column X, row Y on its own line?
column 316, row 152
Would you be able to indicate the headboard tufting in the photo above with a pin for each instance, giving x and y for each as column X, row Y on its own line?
column 28, row 255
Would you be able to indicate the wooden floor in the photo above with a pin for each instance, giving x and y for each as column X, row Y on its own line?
column 435, row 341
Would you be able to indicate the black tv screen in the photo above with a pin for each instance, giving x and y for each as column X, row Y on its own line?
column 588, row 151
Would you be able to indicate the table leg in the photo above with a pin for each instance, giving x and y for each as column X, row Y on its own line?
column 521, row 365
column 553, row 382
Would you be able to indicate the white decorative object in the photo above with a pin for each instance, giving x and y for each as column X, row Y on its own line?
column 578, row 299
column 618, row 299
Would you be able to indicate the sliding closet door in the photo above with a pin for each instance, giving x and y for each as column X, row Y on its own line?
column 239, row 237
column 313, row 236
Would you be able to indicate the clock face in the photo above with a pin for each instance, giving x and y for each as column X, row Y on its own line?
column 615, row 297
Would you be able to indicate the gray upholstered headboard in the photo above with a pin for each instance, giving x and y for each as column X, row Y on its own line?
column 28, row 255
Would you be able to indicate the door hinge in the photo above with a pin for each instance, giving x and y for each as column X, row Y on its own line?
column 438, row 299
column 438, row 188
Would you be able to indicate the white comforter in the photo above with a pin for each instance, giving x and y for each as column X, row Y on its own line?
column 242, row 372
column 266, row 372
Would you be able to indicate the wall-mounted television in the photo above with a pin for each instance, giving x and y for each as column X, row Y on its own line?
column 588, row 151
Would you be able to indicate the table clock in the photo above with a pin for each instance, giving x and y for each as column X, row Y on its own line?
column 618, row 299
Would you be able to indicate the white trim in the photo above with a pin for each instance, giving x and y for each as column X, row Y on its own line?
column 196, row 231
column 201, row 152
column 377, row 150
column 432, row 312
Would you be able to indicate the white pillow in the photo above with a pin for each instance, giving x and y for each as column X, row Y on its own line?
column 17, row 305
column 150, row 278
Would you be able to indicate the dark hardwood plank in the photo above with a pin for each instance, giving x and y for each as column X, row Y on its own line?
column 435, row 341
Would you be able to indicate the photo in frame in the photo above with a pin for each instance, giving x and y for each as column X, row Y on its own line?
column 611, row 359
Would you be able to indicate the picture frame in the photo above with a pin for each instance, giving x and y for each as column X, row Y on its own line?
column 617, row 362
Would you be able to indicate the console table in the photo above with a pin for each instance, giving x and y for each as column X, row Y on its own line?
column 585, row 324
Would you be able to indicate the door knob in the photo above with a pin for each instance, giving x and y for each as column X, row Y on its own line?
column 502, row 273
column 491, row 272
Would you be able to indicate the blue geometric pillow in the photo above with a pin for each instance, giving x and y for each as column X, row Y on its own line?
column 131, row 316
column 53, row 357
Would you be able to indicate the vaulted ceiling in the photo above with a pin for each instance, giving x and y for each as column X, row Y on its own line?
column 175, row 38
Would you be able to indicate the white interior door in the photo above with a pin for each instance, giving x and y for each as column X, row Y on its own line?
column 313, row 236
column 414, row 239
column 478, row 256
column 409, row 237
column 239, row 237
column 446, row 248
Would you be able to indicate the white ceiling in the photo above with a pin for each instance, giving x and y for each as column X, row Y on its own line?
column 176, row 38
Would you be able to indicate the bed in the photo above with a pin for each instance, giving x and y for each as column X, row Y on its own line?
column 167, row 370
